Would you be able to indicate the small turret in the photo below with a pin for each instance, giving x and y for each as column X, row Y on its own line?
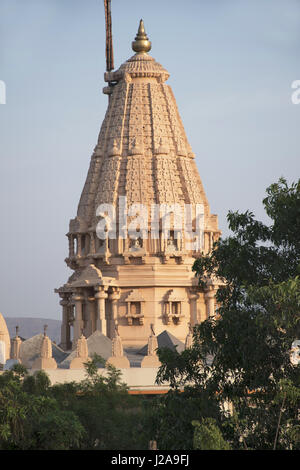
column 189, row 338
column 151, row 360
column 16, row 345
column 45, row 360
column 117, row 358
column 82, row 353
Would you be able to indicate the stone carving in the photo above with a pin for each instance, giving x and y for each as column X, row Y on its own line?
column 136, row 244
column 171, row 244
column 117, row 358
column 45, row 360
column 15, row 347
column 135, row 308
column 117, row 347
column 173, row 308
column 142, row 153
column 82, row 355
column 89, row 276
column 151, row 360
column 189, row 338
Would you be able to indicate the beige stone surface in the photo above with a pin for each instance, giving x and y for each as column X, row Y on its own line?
column 120, row 362
column 136, row 378
column 30, row 351
column 97, row 344
column 44, row 363
column 15, row 348
column 143, row 154
column 45, row 359
column 118, row 359
column 82, row 354
column 78, row 363
column 150, row 361
column 189, row 341
column 4, row 336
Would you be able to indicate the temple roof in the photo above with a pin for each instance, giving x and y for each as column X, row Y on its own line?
column 165, row 340
column 31, row 348
column 142, row 152
column 97, row 343
column 140, row 65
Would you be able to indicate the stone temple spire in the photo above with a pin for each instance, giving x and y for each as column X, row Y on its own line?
column 151, row 359
column 152, row 159
column 117, row 358
column 82, row 354
column 45, row 359
column 16, row 345
column 142, row 157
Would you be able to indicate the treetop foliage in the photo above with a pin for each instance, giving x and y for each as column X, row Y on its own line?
column 241, row 356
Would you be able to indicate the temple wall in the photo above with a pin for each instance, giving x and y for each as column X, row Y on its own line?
column 154, row 304
column 136, row 378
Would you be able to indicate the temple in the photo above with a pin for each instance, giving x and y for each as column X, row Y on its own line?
column 142, row 164
column 142, row 220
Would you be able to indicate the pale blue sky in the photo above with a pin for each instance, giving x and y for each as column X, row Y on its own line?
column 232, row 64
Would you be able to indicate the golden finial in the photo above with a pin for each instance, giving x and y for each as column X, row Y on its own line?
column 141, row 43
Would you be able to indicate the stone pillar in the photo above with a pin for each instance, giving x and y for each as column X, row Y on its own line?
column 193, row 297
column 90, row 325
column 92, row 243
column 113, row 297
column 100, row 296
column 209, row 297
column 78, row 323
column 16, row 345
column 78, row 244
column 188, row 340
column 71, row 246
column 211, row 240
column 206, row 242
column 65, row 326
column 167, row 312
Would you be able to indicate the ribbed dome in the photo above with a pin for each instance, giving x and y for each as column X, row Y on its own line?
column 142, row 65
column 142, row 151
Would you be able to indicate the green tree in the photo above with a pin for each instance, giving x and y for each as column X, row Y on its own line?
column 242, row 356
column 170, row 417
column 208, row 436
column 111, row 417
column 97, row 413
column 30, row 419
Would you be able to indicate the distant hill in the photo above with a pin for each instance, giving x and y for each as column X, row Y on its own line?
column 29, row 327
